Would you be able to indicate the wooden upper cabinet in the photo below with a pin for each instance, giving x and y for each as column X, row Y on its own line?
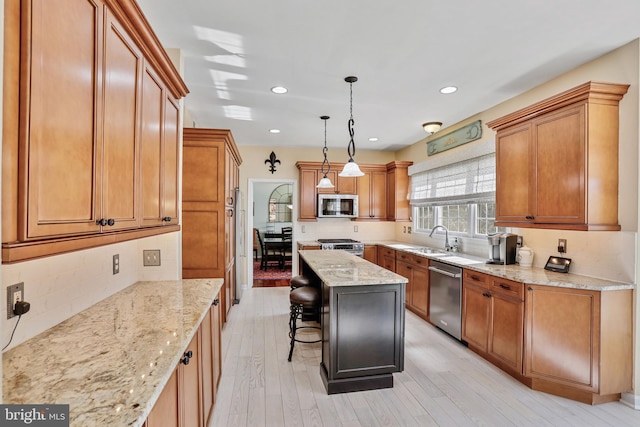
column 308, row 199
column 60, row 119
column 398, row 208
column 372, row 194
column 557, row 161
column 122, row 77
column 95, row 145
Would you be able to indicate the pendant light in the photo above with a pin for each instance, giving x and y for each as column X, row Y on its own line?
column 325, row 182
column 351, row 168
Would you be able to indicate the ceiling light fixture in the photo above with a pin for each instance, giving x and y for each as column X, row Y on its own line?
column 325, row 182
column 274, row 130
column 373, row 139
column 351, row 168
column 279, row 90
column 448, row 89
column 431, row 127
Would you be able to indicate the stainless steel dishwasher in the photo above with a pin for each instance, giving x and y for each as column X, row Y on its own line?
column 445, row 297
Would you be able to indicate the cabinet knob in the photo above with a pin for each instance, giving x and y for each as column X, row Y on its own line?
column 184, row 360
column 189, row 354
column 101, row 221
column 485, row 294
column 503, row 286
column 529, row 288
column 166, row 219
column 529, row 217
column 111, row 221
column 216, row 301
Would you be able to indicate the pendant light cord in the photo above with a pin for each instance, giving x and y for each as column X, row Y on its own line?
column 351, row 148
column 325, row 149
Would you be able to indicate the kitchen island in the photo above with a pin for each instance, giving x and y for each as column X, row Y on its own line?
column 362, row 320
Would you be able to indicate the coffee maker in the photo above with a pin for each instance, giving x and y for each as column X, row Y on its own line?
column 502, row 248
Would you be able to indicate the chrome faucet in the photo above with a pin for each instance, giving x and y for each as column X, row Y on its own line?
column 447, row 246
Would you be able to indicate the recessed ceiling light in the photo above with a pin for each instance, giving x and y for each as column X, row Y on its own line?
column 279, row 90
column 373, row 139
column 274, row 130
column 448, row 89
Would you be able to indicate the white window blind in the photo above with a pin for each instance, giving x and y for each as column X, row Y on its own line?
column 469, row 181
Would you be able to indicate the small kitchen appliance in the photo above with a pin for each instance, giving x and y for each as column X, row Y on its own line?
column 502, row 248
column 525, row 256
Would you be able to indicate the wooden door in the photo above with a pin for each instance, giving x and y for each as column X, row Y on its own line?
column 122, row 77
column 216, row 330
column 308, row 198
column 63, row 135
column 170, row 156
column 207, row 360
column 562, row 336
column 514, row 175
column 378, row 199
column 371, row 253
column 189, row 392
column 345, row 184
column 165, row 412
column 506, row 330
column 152, row 113
column 560, row 168
column 420, row 291
column 475, row 316
column 405, row 270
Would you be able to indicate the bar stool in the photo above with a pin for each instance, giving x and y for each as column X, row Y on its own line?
column 304, row 297
column 298, row 281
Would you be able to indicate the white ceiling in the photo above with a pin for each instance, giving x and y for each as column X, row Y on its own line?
column 402, row 51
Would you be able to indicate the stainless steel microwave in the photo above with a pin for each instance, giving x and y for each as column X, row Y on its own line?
column 337, row 205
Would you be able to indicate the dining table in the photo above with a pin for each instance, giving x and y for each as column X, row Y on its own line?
column 274, row 246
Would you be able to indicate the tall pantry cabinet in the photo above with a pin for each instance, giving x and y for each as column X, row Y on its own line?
column 210, row 175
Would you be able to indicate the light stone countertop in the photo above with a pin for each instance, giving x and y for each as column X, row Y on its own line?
column 529, row 275
column 340, row 268
column 111, row 361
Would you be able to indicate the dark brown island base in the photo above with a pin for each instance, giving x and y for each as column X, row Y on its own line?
column 362, row 320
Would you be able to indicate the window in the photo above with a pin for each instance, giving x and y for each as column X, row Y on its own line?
column 280, row 204
column 460, row 196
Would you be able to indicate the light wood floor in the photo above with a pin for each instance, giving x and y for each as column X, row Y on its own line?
column 443, row 384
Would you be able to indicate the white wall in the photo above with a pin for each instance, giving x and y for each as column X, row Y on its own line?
column 61, row 286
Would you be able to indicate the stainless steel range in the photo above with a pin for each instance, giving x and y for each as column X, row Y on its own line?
column 352, row 246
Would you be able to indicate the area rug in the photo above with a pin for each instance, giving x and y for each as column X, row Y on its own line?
column 272, row 273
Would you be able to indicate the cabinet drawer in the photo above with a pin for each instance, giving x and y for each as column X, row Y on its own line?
column 480, row 279
column 388, row 252
column 507, row 287
column 412, row 259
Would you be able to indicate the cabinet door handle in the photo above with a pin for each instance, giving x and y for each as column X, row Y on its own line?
column 166, row 219
column 503, row 286
column 101, row 221
column 475, row 278
column 529, row 217
column 529, row 288
column 216, row 301
column 111, row 221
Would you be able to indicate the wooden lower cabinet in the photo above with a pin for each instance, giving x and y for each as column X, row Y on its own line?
column 387, row 258
column 415, row 269
column 371, row 253
column 578, row 343
column 492, row 319
column 188, row 398
column 166, row 412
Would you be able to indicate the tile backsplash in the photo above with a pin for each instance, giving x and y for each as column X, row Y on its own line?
column 61, row 286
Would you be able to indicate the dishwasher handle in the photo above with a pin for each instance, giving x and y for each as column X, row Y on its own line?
column 446, row 273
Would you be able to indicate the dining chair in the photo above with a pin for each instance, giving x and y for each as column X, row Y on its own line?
column 286, row 252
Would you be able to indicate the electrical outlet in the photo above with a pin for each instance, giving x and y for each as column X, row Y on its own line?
column 355, row 228
column 151, row 257
column 562, row 245
column 116, row 264
column 15, row 293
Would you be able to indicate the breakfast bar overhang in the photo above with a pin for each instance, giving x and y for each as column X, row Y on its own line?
column 362, row 320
